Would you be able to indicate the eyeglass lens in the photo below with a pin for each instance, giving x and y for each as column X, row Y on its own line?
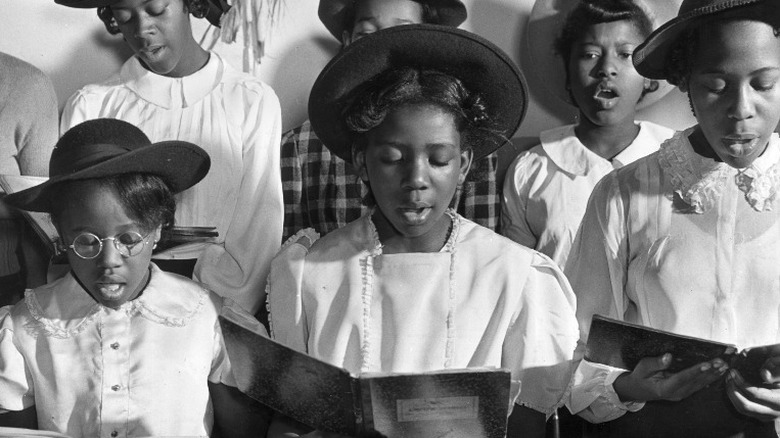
column 88, row 245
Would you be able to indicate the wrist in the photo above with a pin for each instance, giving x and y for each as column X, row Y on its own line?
column 624, row 388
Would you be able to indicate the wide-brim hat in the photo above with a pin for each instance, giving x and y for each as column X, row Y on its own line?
column 108, row 147
column 333, row 13
column 650, row 57
column 214, row 14
column 545, row 25
column 480, row 65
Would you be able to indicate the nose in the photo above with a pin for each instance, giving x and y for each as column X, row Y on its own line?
column 607, row 66
column 109, row 257
column 416, row 177
column 144, row 25
column 741, row 105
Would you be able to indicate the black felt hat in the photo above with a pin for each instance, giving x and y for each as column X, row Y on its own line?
column 481, row 66
column 213, row 15
column 651, row 56
column 108, row 147
column 333, row 13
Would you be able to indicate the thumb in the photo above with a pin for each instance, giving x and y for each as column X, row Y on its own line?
column 651, row 365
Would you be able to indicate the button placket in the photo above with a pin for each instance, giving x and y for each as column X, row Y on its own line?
column 114, row 334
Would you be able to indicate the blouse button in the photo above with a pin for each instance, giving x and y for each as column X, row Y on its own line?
column 115, row 388
column 114, row 433
column 115, row 345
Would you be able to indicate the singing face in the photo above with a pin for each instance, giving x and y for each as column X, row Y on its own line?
column 734, row 88
column 413, row 162
column 92, row 214
column 602, row 78
column 159, row 33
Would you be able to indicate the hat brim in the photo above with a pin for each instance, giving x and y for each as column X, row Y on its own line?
column 650, row 57
column 180, row 164
column 333, row 13
column 483, row 68
column 213, row 15
column 544, row 27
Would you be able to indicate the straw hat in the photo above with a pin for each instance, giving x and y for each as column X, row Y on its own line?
column 545, row 25
column 108, row 147
column 482, row 67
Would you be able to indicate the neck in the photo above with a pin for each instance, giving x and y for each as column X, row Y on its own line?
column 393, row 242
column 606, row 141
column 701, row 146
column 193, row 59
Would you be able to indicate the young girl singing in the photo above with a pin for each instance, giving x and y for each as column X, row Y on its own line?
column 413, row 286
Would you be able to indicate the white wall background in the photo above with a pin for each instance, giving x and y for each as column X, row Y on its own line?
column 73, row 48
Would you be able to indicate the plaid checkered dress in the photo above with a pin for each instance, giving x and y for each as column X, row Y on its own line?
column 323, row 192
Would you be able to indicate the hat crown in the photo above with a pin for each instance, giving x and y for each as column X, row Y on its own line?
column 93, row 142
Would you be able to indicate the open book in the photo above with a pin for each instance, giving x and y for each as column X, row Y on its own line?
column 470, row 403
column 621, row 344
column 40, row 222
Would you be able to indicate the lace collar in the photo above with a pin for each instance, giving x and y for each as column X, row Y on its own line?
column 376, row 245
column 699, row 180
column 63, row 309
column 169, row 92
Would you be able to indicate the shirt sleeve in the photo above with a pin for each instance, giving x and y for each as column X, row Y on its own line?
column 514, row 201
column 16, row 388
column 295, row 214
column 38, row 131
column 597, row 268
column 75, row 111
column 540, row 342
column 287, row 319
column 238, row 269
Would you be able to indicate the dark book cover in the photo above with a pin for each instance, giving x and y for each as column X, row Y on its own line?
column 470, row 403
column 622, row 345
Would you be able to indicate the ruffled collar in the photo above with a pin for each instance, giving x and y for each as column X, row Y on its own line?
column 699, row 180
column 569, row 154
column 169, row 92
column 375, row 247
column 63, row 309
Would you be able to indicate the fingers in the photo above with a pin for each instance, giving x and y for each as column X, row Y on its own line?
column 684, row 383
column 650, row 366
column 753, row 401
column 770, row 372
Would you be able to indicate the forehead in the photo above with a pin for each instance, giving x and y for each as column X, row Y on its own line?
column 420, row 125
column 135, row 4
column 406, row 10
column 622, row 31
column 91, row 204
column 740, row 43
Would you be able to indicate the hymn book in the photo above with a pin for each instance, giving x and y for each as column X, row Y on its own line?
column 621, row 344
column 468, row 403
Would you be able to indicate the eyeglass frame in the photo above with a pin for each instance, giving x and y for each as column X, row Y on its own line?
column 113, row 238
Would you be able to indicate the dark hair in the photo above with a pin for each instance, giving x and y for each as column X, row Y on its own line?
column 430, row 15
column 146, row 198
column 368, row 105
column 588, row 13
column 679, row 61
column 198, row 9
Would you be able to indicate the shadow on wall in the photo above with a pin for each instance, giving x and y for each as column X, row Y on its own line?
column 85, row 67
column 297, row 69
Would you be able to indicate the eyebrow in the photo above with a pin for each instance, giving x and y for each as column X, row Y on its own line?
column 715, row 71
column 125, row 7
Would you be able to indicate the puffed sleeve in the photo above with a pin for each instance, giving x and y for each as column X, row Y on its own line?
column 540, row 342
column 16, row 388
column 221, row 368
column 287, row 319
column 76, row 110
column 239, row 268
column 597, row 268
column 514, row 201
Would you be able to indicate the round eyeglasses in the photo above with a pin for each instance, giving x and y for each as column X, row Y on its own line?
column 88, row 246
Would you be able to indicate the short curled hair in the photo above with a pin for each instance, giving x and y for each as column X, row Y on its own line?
column 146, row 199
column 588, row 13
column 679, row 61
column 368, row 106
column 198, row 9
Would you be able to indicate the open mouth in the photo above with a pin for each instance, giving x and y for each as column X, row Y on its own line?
column 605, row 95
column 414, row 214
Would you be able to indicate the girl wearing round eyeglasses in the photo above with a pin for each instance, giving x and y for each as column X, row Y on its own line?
column 118, row 347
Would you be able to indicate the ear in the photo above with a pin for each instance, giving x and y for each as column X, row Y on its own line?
column 683, row 86
column 466, row 157
column 157, row 235
column 650, row 85
column 346, row 38
column 359, row 162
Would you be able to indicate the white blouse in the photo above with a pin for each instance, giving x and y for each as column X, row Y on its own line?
column 481, row 301
column 139, row 370
column 236, row 118
column 547, row 188
column 682, row 243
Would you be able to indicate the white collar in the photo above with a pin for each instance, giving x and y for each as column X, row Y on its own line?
column 568, row 153
column 699, row 180
column 169, row 92
column 63, row 308
column 374, row 245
